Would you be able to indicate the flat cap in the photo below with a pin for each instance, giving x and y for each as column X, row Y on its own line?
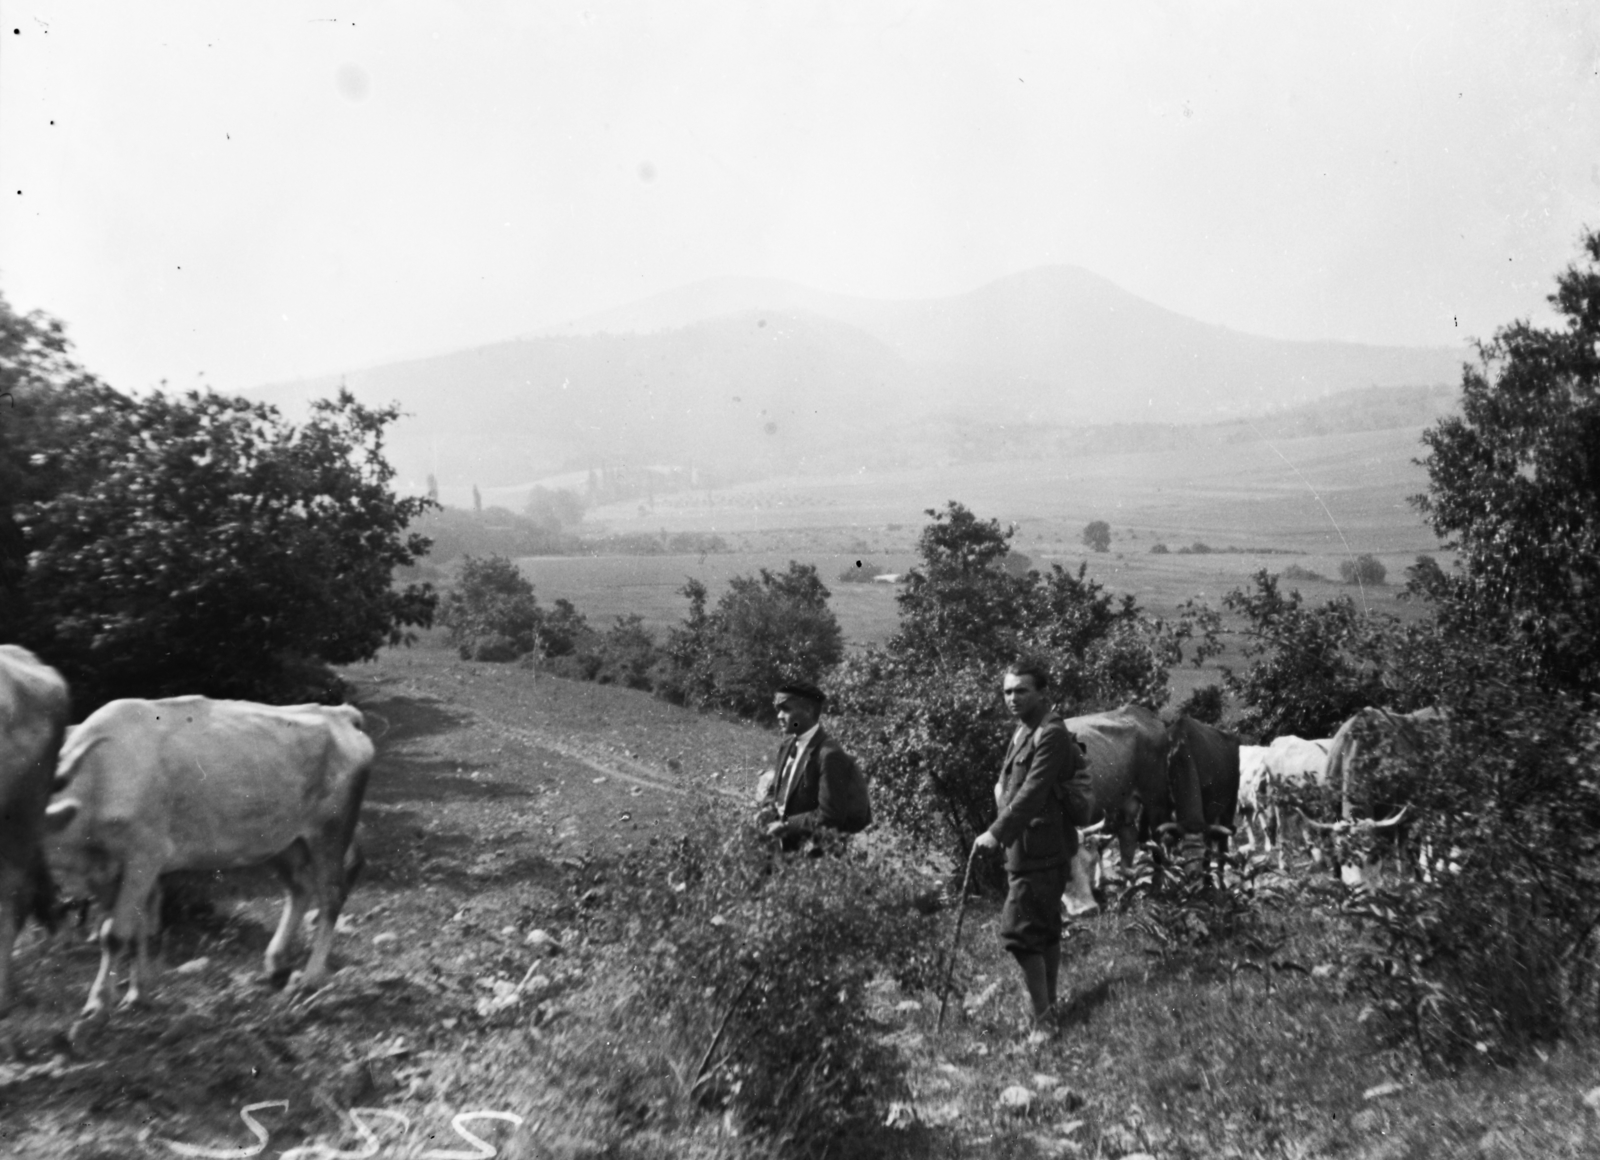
column 803, row 690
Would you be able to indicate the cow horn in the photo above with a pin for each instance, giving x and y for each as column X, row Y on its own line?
column 1395, row 820
column 1168, row 827
column 1091, row 831
column 1334, row 827
column 1217, row 830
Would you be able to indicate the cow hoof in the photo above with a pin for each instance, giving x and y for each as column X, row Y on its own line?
column 279, row 977
column 85, row 1029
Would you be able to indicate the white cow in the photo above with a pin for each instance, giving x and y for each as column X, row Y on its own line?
column 189, row 783
column 1290, row 763
column 33, row 717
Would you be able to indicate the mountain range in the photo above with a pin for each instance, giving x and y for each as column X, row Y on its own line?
column 745, row 377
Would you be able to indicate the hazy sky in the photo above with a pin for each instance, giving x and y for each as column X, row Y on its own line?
column 268, row 190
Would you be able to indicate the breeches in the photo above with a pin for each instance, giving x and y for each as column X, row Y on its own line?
column 1030, row 922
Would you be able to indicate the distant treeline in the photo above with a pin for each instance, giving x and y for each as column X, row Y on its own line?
column 1370, row 409
column 498, row 531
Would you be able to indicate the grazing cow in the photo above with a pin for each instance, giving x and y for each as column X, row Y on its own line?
column 1252, row 783
column 1265, row 772
column 1127, row 753
column 1203, row 780
column 33, row 716
column 1358, row 743
column 190, row 783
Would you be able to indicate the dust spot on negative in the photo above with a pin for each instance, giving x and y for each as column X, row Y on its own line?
column 761, row 322
column 771, row 428
column 647, row 172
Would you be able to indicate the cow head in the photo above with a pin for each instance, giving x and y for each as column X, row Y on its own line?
column 1358, row 845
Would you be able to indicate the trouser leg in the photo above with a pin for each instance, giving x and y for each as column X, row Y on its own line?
column 1052, row 971
column 1033, row 974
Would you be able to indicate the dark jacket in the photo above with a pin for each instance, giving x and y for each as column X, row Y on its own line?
column 827, row 790
column 1045, row 793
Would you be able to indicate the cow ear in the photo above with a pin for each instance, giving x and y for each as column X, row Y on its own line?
column 59, row 815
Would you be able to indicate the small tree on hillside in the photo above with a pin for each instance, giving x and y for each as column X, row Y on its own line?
column 492, row 613
column 766, row 629
column 1366, row 570
column 1097, row 535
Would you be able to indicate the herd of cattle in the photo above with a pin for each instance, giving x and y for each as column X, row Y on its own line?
column 1191, row 784
column 145, row 788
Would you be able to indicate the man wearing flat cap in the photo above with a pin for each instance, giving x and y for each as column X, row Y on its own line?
column 814, row 784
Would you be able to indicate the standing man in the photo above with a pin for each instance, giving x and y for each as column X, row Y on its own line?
column 1043, row 795
column 814, row 783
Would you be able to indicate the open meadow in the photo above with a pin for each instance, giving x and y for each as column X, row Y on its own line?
column 506, row 802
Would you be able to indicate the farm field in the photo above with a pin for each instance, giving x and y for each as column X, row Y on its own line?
column 502, row 802
column 1340, row 494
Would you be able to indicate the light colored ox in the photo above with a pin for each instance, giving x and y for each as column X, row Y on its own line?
column 189, row 783
column 34, row 707
column 1352, row 753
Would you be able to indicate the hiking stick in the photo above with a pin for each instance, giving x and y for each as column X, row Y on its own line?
column 955, row 941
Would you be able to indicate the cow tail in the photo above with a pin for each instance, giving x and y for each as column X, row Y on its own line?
column 354, row 859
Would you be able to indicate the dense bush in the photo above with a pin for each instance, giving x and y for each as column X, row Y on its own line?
column 1097, row 536
column 193, row 543
column 491, row 612
column 1308, row 668
column 1495, row 949
column 757, row 965
column 1158, row 549
column 1366, row 570
column 764, row 630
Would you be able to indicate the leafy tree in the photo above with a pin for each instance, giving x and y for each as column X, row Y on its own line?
column 194, row 543
column 1097, row 536
column 1514, row 481
column 1307, row 669
column 924, row 714
column 1366, row 570
column 765, row 630
column 492, row 613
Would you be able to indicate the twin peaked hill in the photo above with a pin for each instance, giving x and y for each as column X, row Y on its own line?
column 747, row 377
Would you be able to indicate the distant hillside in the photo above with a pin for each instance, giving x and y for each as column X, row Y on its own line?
column 740, row 379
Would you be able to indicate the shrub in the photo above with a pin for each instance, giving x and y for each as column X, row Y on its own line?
column 491, row 613
column 759, row 962
column 1366, row 570
column 1158, row 549
column 1204, row 704
column 1097, row 536
column 1307, row 669
column 1495, row 950
column 1296, row 572
column 765, row 630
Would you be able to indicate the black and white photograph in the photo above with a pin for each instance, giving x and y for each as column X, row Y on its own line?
column 735, row 580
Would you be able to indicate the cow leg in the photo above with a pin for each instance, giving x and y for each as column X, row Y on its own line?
column 335, row 874
column 149, row 927
column 102, row 989
column 9, row 921
column 291, row 867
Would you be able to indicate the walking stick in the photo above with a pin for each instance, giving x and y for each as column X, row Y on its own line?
column 955, row 941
